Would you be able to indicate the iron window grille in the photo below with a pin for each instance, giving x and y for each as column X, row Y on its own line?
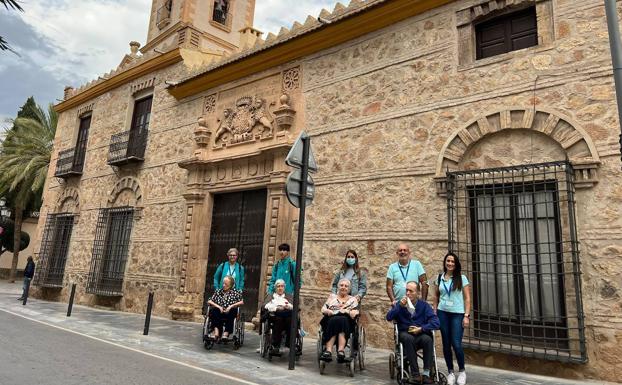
column 110, row 250
column 514, row 230
column 54, row 249
column 221, row 9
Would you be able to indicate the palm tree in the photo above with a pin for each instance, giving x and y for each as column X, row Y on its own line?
column 14, row 5
column 24, row 160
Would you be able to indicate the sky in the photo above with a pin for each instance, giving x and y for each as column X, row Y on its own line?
column 70, row 42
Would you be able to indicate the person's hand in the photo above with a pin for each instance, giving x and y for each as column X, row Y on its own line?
column 354, row 313
column 404, row 301
column 358, row 298
column 414, row 330
column 434, row 309
column 465, row 322
column 344, row 311
column 227, row 309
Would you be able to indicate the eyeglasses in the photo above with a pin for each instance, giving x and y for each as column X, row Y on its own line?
column 402, row 250
column 233, row 255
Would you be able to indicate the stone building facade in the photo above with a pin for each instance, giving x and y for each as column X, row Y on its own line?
column 489, row 128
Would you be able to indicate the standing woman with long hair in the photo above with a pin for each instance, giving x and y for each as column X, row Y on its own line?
column 452, row 304
column 351, row 271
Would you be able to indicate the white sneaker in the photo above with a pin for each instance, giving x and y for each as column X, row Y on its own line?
column 462, row 378
column 451, row 379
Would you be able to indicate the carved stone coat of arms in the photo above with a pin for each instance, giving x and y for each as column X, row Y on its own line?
column 238, row 123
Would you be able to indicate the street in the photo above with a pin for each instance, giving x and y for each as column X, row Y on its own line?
column 40, row 345
column 33, row 353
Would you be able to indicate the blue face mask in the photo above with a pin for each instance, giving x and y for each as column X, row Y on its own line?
column 350, row 261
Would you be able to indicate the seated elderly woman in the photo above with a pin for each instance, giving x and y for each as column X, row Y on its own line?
column 280, row 307
column 223, row 304
column 339, row 312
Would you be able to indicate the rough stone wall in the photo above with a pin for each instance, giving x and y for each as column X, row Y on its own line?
column 380, row 109
column 157, row 235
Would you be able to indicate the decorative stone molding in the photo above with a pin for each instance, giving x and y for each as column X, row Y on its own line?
column 247, row 121
column 68, row 201
column 209, row 105
column 573, row 139
column 202, row 136
column 85, row 109
column 141, row 85
column 284, row 115
column 134, row 198
column 189, row 37
column 484, row 10
column 291, row 79
column 182, row 308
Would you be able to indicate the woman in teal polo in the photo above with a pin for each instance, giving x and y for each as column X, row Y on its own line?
column 452, row 304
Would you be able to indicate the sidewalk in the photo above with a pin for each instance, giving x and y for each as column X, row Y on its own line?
column 181, row 341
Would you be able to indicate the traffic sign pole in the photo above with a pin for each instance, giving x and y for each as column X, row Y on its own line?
column 301, row 228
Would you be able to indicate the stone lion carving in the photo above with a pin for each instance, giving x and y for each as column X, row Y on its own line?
column 239, row 122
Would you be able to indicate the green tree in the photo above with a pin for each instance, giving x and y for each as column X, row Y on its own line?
column 8, row 4
column 24, row 160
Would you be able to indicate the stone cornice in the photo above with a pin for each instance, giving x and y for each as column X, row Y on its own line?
column 305, row 44
column 167, row 59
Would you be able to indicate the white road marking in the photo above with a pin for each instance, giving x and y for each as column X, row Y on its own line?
column 134, row 350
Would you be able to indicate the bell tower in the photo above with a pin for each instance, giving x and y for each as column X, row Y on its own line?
column 207, row 25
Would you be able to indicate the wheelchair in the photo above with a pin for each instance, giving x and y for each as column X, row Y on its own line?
column 265, row 331
column 355, row 348
column 399, row 367
column 237, row 337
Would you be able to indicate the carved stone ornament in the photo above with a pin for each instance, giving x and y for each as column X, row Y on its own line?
column 284, row 115
column 210, row 104
column 291, row 79
column 238, row 123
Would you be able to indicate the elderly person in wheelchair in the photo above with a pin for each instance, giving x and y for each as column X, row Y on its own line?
column 223, row 308
column 279, row 307
column 415, row 320
column 339, row 311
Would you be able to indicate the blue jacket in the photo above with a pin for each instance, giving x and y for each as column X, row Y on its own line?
column 284, row 269
column 221, row 273
column 423, row 317
column 29, row 271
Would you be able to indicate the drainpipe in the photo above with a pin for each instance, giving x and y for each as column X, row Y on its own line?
column 616, row 54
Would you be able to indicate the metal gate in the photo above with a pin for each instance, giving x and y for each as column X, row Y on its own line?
column 238, row 220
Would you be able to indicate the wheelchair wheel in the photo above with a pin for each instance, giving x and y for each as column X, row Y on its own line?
column 319, row 353
column 442, row 379
column 392, row 365
column 351, row 368
column 208, row 344
column 361, row 348
column 322, row 366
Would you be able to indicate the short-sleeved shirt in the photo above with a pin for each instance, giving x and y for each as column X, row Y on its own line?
column 400, row 275
column 226, row 298
column 451, row 301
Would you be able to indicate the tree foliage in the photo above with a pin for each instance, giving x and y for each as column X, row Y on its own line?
column 9, row 4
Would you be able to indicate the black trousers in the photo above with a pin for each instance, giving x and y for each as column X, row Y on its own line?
column 335, row 325
column 219, row 319
column 281, row 321
column 412, row 343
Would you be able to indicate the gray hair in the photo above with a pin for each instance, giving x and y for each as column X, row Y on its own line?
column 278, row 282
column 233, row 249
column 344, row 280
column 231, row 279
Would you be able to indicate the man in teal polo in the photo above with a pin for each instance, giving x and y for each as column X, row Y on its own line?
column 285, row 269
column 403, row 271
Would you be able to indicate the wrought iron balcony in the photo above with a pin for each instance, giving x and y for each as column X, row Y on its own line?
column 127, row 147
column 66, row 165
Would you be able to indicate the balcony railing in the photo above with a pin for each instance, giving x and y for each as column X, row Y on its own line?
column 127, row 147
column 65, row 165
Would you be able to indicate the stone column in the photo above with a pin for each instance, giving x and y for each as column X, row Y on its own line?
column 194, row 256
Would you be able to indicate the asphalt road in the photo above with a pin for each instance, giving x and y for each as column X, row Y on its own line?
column 33, row 353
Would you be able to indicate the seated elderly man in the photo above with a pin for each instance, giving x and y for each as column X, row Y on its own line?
column 415, row 321
column 280, row 307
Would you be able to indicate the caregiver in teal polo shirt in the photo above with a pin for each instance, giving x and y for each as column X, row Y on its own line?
column 404, row 271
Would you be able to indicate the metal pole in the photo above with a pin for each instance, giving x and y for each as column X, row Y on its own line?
column 71, row 297
column 148, row 315
column 301, row 228
column 616, row 55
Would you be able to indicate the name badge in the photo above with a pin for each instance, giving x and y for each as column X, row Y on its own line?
column 449, row 303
